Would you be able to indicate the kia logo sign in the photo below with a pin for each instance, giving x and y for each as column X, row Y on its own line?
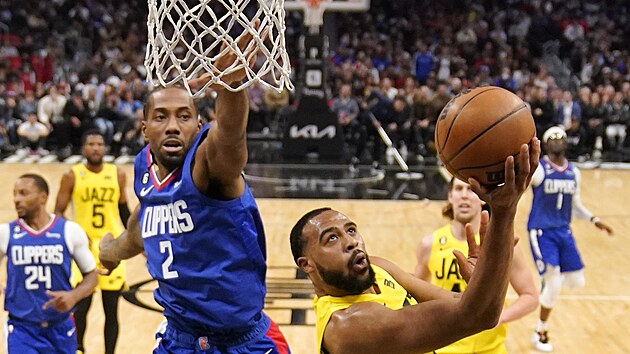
column 311, row 131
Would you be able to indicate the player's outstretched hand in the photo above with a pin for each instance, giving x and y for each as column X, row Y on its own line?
column 517, row 180
column 604, row 227
column 61, row 301
column 107, row 264
column 467, row 264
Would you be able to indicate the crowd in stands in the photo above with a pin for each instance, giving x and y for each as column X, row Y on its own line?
column 66, row 66
column 568, row 60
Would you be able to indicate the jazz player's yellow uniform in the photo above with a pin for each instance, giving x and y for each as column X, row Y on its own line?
column 95, row 202
column 392, row 295
column 445, row 274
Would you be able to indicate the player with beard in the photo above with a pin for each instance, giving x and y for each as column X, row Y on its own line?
column 39, row 298
column 199, row 224
column 364, row 307
column 437, row 264
column 97, row 192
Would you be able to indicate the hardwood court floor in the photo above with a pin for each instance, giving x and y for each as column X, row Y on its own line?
column 595, row 319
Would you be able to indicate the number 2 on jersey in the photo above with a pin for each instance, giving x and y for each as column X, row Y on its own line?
column 167, row 247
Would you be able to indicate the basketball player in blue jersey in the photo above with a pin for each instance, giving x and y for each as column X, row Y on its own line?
column 375, row 307
column 39, row 296
column 556, row 186
column 199, row 227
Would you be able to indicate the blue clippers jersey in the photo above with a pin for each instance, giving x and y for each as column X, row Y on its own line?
column 36, row 263
column 207, row 255
column 553, row 198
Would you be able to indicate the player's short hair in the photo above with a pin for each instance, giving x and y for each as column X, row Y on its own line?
column 39, row 181
column 147, row 101
column 297, row 236
column 91, row 132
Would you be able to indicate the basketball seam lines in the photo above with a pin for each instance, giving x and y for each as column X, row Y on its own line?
column 448, row 133
column 508, row 115
column 482, row 166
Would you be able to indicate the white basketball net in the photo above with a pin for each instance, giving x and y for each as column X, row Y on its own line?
column 185, row 38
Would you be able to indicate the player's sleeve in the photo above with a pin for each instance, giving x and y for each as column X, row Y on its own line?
column 77, row 242
column 4, row 239
column 538, row 176
column 577, row 208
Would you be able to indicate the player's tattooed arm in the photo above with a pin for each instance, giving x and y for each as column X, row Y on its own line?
column 128, row 244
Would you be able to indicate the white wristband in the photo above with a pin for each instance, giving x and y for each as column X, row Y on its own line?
column 594, row 220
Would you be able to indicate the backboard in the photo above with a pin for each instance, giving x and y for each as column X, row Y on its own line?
column 314, row 9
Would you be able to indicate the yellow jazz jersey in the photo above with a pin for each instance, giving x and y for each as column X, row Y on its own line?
column 95, row 199
column 392, row 295
column 445, row 274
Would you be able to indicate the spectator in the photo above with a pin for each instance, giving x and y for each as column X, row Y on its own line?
column 569, row 115
column 616, row 122
column 50, row 112
column 76, row 117
column 28, row 103
column 106, row 115
column 423, row 62
column 542, row 111
column 388, row 89
column 593, row 113
column 257, row 111
column 33, row 134
column 381, row 109
column 346, row 108
column 127, row 108
column 425, row 117
column 275, row 102
column 401, row 128
column 505, row 80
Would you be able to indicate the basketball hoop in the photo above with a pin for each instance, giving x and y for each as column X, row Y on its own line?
column 186, row 37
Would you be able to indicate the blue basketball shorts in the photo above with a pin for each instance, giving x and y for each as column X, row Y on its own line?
column 555, row 247
column 25, row 337
column 264, row 338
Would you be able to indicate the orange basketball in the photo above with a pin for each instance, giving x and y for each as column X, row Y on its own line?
column 478, row 129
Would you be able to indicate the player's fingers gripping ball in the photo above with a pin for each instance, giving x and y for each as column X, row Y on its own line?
column 478, row 129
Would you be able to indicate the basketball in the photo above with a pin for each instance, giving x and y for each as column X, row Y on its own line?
column 478, row 129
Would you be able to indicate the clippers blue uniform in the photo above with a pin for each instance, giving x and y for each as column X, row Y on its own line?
column 209, row 258
column 38, row 262
column 549, row 221
column 553, row 198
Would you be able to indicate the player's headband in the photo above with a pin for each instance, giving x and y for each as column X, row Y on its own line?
column 554, row 133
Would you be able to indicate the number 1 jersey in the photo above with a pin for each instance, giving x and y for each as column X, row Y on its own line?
column 553, row 197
